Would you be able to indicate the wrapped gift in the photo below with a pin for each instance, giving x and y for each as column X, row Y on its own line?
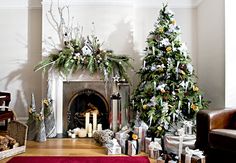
column 133, row 147
column 192, row 156
column 113, row 147
column 188, row 127
column 140, row 129
column 160, row 160
column 172, row 142
column 121, row 137
column 148, row 140
column 154, row 150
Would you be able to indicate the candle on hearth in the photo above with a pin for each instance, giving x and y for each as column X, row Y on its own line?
column 94, row 121
column 87, row 115
column 82, row 133
column 90, row 130
column 99, row 127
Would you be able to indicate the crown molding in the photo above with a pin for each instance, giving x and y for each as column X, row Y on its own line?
column 128, row 3
column 37, row 4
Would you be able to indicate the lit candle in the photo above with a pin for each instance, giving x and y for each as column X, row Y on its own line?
column 94, row 121
column 82, row 133
column 87, row 115
column 99, row 127
column 90, row 130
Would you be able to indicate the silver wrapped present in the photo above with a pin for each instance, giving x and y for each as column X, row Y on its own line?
column 113, row 147
column 121, row 137
column 116, row 150
column 147, row 142
column 133, row 147
column 154, row 150
column 172, row 142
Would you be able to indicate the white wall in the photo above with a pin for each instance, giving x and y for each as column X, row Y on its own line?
column 211, row 51
column 230, row 57
column 123, row 28
column 20, row 51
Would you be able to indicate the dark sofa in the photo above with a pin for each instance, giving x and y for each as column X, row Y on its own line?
column 216, row 135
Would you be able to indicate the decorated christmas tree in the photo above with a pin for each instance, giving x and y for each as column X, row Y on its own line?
column 167, row 93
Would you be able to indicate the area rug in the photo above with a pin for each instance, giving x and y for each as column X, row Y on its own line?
column 82, row 159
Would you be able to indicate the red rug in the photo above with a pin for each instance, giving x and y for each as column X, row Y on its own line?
column 82, row 159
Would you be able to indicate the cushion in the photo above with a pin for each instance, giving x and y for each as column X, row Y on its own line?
column 224, row 139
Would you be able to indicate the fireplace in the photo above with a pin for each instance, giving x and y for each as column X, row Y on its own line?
column 73, row 95
column 80, row 97
column 87, row 100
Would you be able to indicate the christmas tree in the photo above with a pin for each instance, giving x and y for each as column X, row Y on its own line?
column 168, row 92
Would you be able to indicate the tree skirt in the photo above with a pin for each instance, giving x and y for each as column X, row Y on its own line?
column 82, row 159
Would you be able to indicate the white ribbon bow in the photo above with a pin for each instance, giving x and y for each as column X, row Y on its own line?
column 154, row 145
column 195, row 152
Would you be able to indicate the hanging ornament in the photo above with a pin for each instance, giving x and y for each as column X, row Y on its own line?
column 177, row 70
column 116, row 78
column 153, row 50
column 190, row 68
column 188, row 107
column 200, row 99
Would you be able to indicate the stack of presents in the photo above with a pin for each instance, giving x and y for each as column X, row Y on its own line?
column 172, row 148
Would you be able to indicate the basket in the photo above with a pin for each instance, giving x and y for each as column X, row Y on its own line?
column 18, row 131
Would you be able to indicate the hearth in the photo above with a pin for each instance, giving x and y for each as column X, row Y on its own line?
column 80, row 97
column 86, row 101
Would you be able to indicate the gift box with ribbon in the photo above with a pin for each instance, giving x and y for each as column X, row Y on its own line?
column 133, row 144
column 154, row 150
column 140, row 129
column 113, row 147
column 192, row 156
column 175, row 144
column 121, row 137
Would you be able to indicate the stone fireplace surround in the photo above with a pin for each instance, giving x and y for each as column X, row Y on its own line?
column 63, row 89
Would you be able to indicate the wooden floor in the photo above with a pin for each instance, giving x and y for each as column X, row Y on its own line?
column 65, row 147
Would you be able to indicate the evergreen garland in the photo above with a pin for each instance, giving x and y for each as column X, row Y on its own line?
column 87, row 54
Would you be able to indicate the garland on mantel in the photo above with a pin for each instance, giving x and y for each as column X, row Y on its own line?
column 78, row 53
column 86, row 54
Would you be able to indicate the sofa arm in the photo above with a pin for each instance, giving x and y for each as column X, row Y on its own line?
column 211, row 119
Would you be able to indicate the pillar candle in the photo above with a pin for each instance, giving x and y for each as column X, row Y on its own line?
column 87, row 121
column 94, row 121
column 99, row 127
column 90, row 128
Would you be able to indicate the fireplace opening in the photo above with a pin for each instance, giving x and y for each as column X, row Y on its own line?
column 84, row 101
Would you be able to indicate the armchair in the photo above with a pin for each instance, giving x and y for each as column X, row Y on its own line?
column 216, row 135
column 5, row 114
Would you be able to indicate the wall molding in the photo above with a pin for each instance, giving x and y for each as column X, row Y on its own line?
column 37, row 4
